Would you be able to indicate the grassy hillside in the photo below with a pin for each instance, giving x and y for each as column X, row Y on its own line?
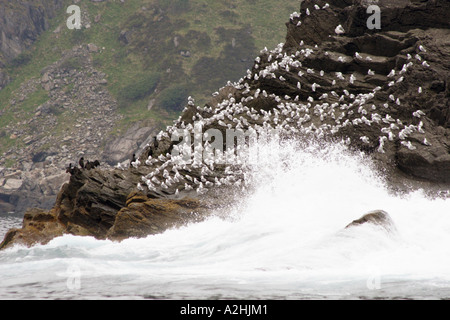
column 158, row 51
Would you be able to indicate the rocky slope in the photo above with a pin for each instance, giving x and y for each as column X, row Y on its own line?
column 103, row 91
column 75, row 120
column 384, row 92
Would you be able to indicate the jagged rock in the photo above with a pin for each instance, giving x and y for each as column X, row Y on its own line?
column 12, row 184
column 378, row 218
column 122, row 148
column 407, row 26
column 89, row 104
column 100, row 204
column 143, row 216
column 317, row 85
column 92, row 47
column 39, row 226
column 21, row 24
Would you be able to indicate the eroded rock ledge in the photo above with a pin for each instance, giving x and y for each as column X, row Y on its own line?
column 385, row 92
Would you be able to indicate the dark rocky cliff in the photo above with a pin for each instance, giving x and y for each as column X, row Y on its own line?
column 21, row 22
column 385, row 92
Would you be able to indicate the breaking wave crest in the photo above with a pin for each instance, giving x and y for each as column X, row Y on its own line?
column 285, row 239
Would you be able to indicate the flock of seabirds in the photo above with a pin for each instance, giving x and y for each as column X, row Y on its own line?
column 291, row 116
column 88, row 165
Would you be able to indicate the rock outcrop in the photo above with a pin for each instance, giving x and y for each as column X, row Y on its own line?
column 76, row 117
column 21, row 22
column 383, row 92
column 377, row 218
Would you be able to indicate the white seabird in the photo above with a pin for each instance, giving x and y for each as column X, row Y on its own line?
column 339, row 30
column 352, row 79
column 365, row 139
column 408, row 145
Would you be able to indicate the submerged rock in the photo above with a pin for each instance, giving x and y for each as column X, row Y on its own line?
column 377, row 218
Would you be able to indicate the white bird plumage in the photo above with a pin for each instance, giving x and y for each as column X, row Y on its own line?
column 339, row 30
column 365, row 139
column 352, row 79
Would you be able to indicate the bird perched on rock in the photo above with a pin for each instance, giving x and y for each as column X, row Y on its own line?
column 155, row 143
column 339, row 30
column 409, row 145
column 88, row 165
column 365, row 139
column 352, row 79
column 418, row 113
column 81, row 163
column 70, row 169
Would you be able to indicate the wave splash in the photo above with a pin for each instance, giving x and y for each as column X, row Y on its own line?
column 285, row 239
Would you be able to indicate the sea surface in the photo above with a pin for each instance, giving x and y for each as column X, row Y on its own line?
column 8, row 221
column 284, row 240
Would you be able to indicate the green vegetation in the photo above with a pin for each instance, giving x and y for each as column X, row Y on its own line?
column 72, row 63
column 35, row 99
column 21, row 59
column 174, row 97
column 161, row 50
column 140, row 88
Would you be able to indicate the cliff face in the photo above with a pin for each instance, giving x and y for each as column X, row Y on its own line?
column 21, row 22
column 384, row 92
column 414, row 42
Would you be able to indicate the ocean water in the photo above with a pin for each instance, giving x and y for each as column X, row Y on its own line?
column 284, row 240
column 8, row 221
